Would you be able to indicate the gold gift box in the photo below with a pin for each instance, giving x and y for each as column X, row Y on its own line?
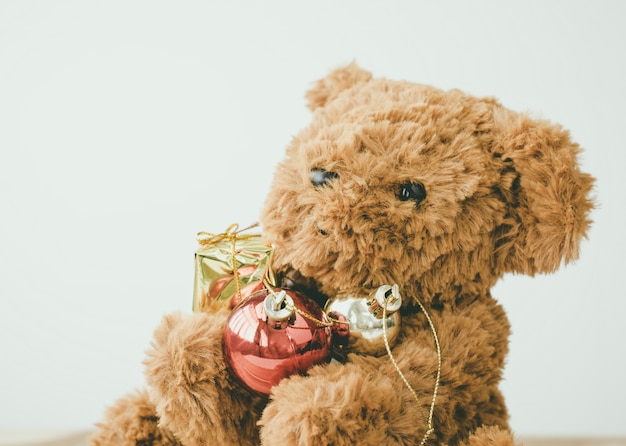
column 230, row 267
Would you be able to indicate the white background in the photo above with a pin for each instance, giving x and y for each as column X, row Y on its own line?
column 127, row 127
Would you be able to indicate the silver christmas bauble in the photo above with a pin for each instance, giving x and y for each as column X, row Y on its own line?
column 360, row 327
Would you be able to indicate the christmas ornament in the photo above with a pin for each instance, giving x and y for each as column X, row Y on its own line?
column 360, row 327
column 230, row 266
column 273, row 334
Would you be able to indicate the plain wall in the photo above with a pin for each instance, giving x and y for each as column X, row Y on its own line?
column 128, row 126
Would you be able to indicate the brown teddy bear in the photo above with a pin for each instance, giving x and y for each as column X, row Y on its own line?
column 398, row 183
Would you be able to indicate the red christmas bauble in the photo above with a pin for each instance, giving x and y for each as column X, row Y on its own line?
column 265, row 340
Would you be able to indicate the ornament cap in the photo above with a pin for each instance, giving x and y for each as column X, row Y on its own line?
column 387, row 297
column 278, row 306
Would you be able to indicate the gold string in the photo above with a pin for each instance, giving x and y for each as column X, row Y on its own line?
column 428, row 421
column 304, row 314
column 232, row 234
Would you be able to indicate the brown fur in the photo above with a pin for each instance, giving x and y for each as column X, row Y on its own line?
column 504, row 194
column 132, row 421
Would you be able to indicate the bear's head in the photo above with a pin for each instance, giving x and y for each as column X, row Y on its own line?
column 437, row 191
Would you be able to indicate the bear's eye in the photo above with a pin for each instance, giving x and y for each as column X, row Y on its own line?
column 412, row 191
column 321, row 177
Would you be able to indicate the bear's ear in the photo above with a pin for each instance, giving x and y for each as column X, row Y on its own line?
column 547, row 194
column 337, row 81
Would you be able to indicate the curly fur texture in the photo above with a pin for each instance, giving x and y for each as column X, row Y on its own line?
column 132, row 421
column 493, row 192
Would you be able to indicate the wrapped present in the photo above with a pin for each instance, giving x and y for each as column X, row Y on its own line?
column 230, row 267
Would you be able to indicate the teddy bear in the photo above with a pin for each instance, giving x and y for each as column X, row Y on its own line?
column 439, row 193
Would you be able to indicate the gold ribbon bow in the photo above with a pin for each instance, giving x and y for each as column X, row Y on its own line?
column 232, row 233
